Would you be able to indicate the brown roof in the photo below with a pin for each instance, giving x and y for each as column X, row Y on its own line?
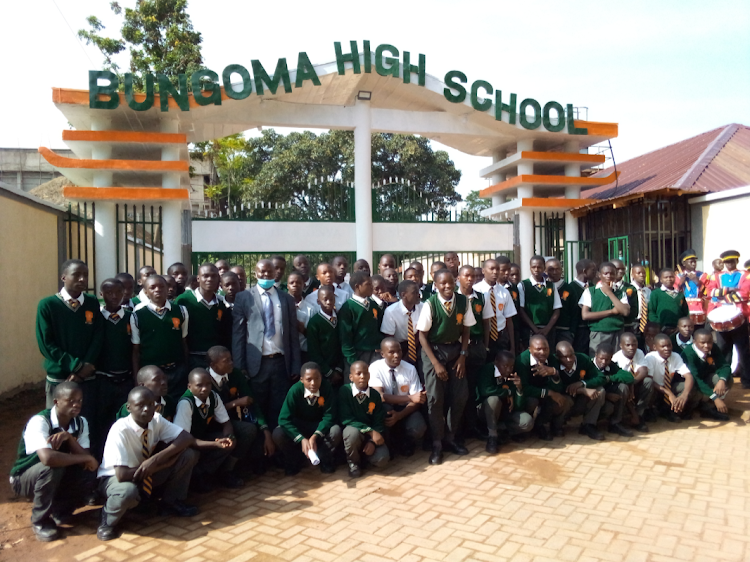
column 709, row 162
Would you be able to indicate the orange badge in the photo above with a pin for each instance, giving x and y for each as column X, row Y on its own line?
column 710, row 360
column 549, row 291
column 233, row 391
column 583, row 373
column 371, row 407
column 219, row 313
column 375, row 312
column 89, row 317
column 629, row 292
column 321, row 401
column 514, row 294
column 565, row 295
column 459, row 318
column 506, row 387
column 500, row 307
column 478, row 308
column 127, row 327
column 175, row 323
column 405, row 388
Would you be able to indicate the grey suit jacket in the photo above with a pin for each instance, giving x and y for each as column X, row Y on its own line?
column 248, row 327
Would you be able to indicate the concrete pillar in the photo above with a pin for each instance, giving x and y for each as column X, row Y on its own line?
column 363, row 180
column 105, row 225
column 525, row 168
column 571, row 223
column 525, row 240
column 171, row 211
column 498, row 198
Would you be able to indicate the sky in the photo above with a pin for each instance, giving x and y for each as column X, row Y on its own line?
column 664, row 71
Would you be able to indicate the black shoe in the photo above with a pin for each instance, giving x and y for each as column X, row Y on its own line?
column 558, row 432
column 670, row 416
column 591, row 431
column 686, row 416
column 543, row 433
column 354, row 470
column 291, row 471
column 201, row 485
column 426, row 446
column 503, row 438
column 455, row 448
column 93, row 499
column 46, row 532
column 714, row 414
column 518, row 437
column 407, row 449
column 232, row 481
column 619, row 430
column 650, row 415
column 641, row 426
column 492, row 447
column 437, row 456
column 327, row 468
column 60, row 519
column 178, row 509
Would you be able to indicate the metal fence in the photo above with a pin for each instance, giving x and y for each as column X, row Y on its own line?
column 139, row 238
column 404, row 259
column 575, row 250
column 549, row 234
column 80, row 238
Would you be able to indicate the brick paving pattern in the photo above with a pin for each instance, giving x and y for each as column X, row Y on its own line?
column 679, row 493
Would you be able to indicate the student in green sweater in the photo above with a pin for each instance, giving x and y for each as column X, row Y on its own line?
column 667, row 305
column 69, row 334
column 158, row 331
column 54, row 466
column 179, row 273
column 712, row 374
column 444, row 325
column 682, row 337
column 617, row 384
column 359, row 323
column 577, row 332
column 499, row 390
column 201, row 413
column 128, row 285
column 604, row 309
column 536, row 367
column 323, row 342
column 154, row 379
column 307, row 423
column 143, row 273
column 115, row 363
column 363, row 420
column 622, row 286
column 540, row 303
column 210, row 325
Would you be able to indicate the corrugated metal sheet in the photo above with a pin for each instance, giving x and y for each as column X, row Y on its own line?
column 712, row 161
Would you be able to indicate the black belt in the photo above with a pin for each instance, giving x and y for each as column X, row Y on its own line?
column 273, row 356
column 168, row 366
column 117, row 377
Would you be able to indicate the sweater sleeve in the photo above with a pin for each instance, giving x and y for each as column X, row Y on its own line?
column 346, row 334
column 524, row 373
column 314, row 348
column 653, row 307
column 692, row 364
column 45, row 337
column 486, row 385
column 286, row 416
column 347, row 415
column 622, row 376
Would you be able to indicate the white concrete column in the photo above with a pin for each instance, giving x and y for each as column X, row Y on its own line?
column 105, row 225
column 525, row 240
column 498, row 198
column 525, row 168
column 363, row 180
column 171, row 211
column 571, row 223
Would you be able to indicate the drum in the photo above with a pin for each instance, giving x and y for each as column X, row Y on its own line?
column 726, row 318
column 698, row 317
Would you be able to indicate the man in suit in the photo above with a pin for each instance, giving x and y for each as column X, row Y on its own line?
column 265, row 341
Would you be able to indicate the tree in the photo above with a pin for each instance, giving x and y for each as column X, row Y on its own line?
column 159, row 36
column 475, row 204
column 227, row 156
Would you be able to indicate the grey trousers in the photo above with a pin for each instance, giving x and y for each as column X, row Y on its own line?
column 549, row 411
column 355, row 441
column 581, row 405
column 293, row 451
column 614, row 411
column 449, row 395
column 121, row 496
column 597, row 338
column 412, row 428
column 693, row 399
column 53, row 490
column 644, row 395
column 499, row 418
column 216, row 460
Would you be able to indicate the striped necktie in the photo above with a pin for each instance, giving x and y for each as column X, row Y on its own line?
column 114, row 317
column 204, row 409
column 667, row 381
column 411, row 340
column 147, row 483
column 644, row 310
column 493, row 320
column 447, row 307
column 394, row 382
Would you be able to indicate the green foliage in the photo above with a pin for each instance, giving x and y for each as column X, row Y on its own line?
column 159, row 36
column 228, row 158
column 475, row 204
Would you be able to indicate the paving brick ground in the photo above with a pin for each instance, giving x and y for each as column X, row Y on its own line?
column 679, row 493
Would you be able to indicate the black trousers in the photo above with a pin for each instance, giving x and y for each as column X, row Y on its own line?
column 739, row 337
column 270, row 386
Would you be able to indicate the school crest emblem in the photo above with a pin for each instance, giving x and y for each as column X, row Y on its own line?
column 514, row 294
column 175, row 323
column 459, row 318
column 219, row 314
column 321, row 401
column 629, row 291
column 549, row 291
column 375, row 313
column 371, row 407
column 583, row 374
column 565, row 295
column 710, row 360
column 506, row 387
column 404, row 388
column 89, row 317
column 233, row 391
column 500, row 307
column 477, row 308
column 127, row 327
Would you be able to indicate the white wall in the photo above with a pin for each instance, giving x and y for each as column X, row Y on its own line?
column 271, row 236
column 721, row 225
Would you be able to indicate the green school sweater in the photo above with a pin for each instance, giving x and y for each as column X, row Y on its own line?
column 296, row 407
column 161, row 338
column 238, row 387
column 666, row 310
column 675, row 346
column 585, row 371
column 533, row 386
column 513, row 290
column 117, row 352
column 609, row 374
column 425, row 292
column 703, row 371
column 476, row 333
column 324, row 344
column 599, row 303
column 570, row 313
column 68, row 338
column 359, row 328
column 488, row 385
column 168, row 410
column 207, row 327
column 446, row 328
column 315, row 284
column 538, row 303
column 200, row 423
column 365, row 416
column 25, row 461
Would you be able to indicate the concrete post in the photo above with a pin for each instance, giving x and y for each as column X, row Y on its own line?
column 571, row 222
column 525, row 239
column 363, row 180
column 105, row 225
column 498, row 198
column 171, row 211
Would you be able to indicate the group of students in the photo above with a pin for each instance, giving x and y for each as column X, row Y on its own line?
column 196, row 384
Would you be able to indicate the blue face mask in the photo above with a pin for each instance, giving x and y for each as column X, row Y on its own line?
column 265, row 284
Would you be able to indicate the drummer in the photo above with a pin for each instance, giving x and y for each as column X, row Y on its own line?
column 692, row 283
column 731, row 288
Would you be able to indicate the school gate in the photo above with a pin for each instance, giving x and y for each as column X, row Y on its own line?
column 131, row 148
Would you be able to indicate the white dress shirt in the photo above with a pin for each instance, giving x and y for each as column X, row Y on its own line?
column 135, row 333
column 638, row 361
column 655, row 365
column 38, row 431
column 220, row 380
column 585, row 299
column 184, row 416
column 340, row 296
column 346, row 287
column 305, row 311
column 66, row 297
column 274, row 344
column 644, row 293
column 396, row 320
column 407, row 380
column 556, row 302
column 124, row 446
column 425, row 317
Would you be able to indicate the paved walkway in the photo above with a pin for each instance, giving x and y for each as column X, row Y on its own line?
column 679, row 493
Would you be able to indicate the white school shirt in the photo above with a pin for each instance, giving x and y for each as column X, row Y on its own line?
column 184, row 416
column 556, row 302
column 396, row 320
column 585, row 299
column 425, row 317
column 505, row 308
column 124, row 446
column 135, row 333
column 66, row 296
column 340, row 296
column 639, row 360
column 274, row 344
column 346, row 287
column 38, row 431
column 644, row 293
column 655, row 365
column 407, row 380
column 305, row 311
